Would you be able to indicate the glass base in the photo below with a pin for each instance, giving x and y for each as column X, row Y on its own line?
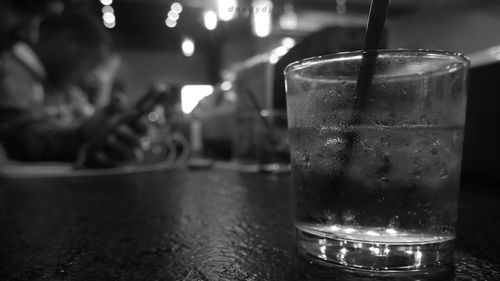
column 375, row 256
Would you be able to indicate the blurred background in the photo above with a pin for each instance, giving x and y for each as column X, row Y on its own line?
column 228, row 48
column 210, row 41
column 225, row 58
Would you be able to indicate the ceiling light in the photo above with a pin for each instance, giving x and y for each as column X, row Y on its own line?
column 107, row 9
column 172, row 15
column 176, row 7
column 188, row 47
column 288, row 42
column 210, row 20
column 226, row 9
column 106, row 2
column 109, row 18
column 170, row 22
column 110, row 24
column 261, row 19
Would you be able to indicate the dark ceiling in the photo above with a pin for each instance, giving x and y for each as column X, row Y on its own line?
column 141, row 23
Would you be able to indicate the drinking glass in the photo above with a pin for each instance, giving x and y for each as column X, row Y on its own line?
column 271, row 132
column 376, row 177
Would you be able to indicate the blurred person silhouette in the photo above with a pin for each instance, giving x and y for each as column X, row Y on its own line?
column 74, row 50
column 27, row 131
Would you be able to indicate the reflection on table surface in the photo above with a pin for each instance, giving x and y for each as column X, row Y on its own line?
column 59, row 169
column 176, row 155
column 206, row 224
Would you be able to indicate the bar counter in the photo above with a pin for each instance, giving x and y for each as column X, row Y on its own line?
column 179, row 224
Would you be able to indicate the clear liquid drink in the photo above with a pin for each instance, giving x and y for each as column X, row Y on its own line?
column 376, row 188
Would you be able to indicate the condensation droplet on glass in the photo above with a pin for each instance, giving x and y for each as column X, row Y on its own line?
column 443, row 173
column 307, row 161
column 348, row 216
column 394, row 223
column 455, row 137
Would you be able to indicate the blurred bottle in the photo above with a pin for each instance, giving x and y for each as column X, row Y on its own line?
column 197, row 158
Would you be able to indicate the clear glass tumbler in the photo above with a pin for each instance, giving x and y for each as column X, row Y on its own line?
column 272, row 143
column 376, row 184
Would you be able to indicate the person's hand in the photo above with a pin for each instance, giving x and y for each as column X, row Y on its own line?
column 109, row 143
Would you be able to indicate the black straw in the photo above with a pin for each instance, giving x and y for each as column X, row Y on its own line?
column 373, row 36
column 376, row 22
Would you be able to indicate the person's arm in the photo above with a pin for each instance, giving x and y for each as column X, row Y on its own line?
column 105, row 75
column 29, row 136
column 28, row 133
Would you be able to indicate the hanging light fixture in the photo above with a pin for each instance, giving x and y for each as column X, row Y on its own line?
column 226, row 9
column 288, row 19
column 210, row 20
column 188, row 47
column 262, row 17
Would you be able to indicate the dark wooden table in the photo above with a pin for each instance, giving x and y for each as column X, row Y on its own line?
column 214, row 224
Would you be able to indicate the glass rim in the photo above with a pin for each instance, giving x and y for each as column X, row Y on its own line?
column 459, row 57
